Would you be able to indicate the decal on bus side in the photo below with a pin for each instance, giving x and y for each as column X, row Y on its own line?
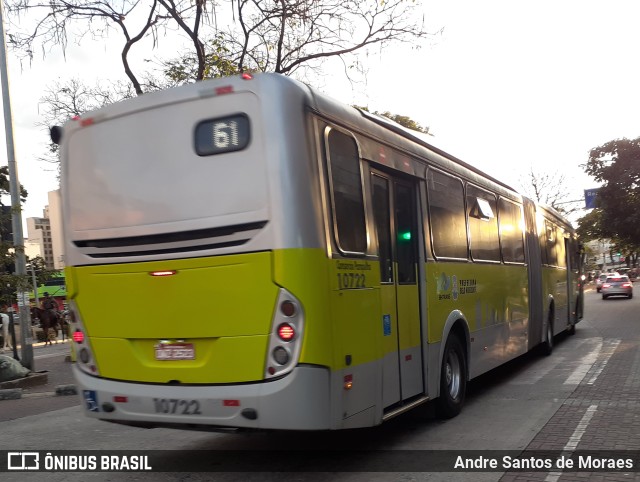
column 352, row 274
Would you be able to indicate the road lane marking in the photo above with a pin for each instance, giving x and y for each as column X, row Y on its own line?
column 577, row 434
column 611, row 346
column 585, row 365
column 575, row 438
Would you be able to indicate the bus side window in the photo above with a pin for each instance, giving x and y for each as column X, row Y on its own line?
column 560, row 249
column 446, row 210
column 483, row 225
column 511, row 232
column 346, row 191
column 552, row 254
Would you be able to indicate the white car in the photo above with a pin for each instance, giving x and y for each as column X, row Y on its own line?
column 617, row 285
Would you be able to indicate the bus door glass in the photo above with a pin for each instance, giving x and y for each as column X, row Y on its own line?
column 572, row 277
column 395, row 216
column 564, row 280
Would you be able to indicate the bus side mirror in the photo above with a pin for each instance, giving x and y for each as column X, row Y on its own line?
column 56, row 134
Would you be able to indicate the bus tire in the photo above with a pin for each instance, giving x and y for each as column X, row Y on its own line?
column 453, row 379
column 547, row 345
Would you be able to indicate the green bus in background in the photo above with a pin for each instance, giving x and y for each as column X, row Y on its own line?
column 56, row 287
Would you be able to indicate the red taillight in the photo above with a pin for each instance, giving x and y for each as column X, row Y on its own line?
column 247, row 76
column 627, row 285
column 78, row 336
column 606, row 285
column 120, row 399
column 286, row 332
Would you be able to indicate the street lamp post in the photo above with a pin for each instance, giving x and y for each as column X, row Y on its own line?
column 26, row 338
column 34, row 283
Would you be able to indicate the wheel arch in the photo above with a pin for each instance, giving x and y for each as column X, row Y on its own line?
column 457, row 325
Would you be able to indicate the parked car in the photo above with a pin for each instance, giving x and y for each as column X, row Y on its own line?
column 617, row 285
column 599, row 280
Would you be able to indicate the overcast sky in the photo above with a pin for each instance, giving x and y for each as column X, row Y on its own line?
column 506, row 85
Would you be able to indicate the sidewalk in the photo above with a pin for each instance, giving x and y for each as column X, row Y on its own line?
column 51, row 376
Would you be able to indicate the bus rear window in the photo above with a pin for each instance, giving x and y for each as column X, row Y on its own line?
column 224, row 134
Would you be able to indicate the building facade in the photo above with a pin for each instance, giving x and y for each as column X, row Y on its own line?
column 45, row 234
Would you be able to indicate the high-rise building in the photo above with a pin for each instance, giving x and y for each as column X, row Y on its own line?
column 39, row 231
column 45, row 234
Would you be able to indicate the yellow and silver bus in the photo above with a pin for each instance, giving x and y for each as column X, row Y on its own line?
column 285, row 261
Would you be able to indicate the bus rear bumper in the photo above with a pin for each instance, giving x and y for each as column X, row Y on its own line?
column 298, row 401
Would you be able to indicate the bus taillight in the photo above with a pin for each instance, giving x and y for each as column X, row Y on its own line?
column 285, row 335
column 78, row 336
column 286, row 332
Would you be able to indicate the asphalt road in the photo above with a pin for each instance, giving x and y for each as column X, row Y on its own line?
column 585, row 396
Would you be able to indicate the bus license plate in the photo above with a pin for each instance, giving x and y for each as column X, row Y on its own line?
column 175, row 351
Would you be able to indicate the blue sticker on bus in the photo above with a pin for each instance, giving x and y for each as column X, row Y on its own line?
column 386, row 324
column 91, row 400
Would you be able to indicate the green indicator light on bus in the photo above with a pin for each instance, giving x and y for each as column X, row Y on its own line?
column 405, row 236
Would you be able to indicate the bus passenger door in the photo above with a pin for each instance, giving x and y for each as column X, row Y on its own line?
column 395, row 217
column 572, row 280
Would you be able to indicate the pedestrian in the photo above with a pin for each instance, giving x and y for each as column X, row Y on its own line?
column 49, row 304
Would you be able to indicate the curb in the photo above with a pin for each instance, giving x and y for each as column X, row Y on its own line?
column 16, row 393
column 11, row 394
column 33, row 379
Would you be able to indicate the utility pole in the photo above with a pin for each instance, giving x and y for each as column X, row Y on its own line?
column 26, row 338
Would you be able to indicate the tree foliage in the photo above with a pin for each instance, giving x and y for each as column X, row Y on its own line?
column 64, row 100
column 8, row 281
column 5, row 185
column 590, row 226
column 616, row 164
column 261, row 35
column 549, row 188
column 135, row 20
column 282, row 36
column 403, row 120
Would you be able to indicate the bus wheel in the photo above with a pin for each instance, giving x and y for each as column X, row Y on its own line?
column 547, row 346
column 453, row 379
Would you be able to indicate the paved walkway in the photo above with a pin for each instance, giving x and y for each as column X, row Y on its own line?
column 602, row 414
column 52, row 395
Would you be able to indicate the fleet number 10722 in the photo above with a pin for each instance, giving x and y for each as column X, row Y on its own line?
column 176, row 405
column 351, row 280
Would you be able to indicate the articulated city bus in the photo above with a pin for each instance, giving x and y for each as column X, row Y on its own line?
column 285, row 261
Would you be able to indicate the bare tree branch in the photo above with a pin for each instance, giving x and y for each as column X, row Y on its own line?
column 281, row 36
column 58, row 18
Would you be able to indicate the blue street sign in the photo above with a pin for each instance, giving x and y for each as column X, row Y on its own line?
column 590, row 198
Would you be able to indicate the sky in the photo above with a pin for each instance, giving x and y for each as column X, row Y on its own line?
column 506, row 86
